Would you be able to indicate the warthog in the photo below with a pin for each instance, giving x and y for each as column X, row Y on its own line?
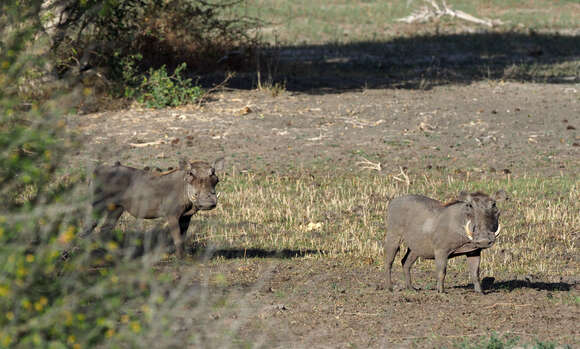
column 434, row 230
column 176, row 195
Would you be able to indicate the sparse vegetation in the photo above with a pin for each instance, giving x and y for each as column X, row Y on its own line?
column 344, row 215
column 294, row 256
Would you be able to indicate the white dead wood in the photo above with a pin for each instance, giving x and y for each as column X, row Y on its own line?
column 142, row 145
column 403, row 177
column 433, row 10
column 366, row 164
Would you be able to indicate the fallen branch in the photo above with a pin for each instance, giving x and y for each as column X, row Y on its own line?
column 506, row 304
column 142, row 145
column 426, row 13
column 217, row 87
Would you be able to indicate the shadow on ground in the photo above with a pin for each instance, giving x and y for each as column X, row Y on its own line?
column 489, row 284
column 511, row 285
column 251, row 253
column 418, row 62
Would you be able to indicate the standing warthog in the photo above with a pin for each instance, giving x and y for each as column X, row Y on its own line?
column 175, row 195
column 434, row 230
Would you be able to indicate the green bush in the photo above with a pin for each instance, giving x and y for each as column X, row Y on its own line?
column 158, row 89
column 90, row 299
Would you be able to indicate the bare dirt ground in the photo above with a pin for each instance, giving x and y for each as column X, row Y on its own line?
column 482, row 127
column 488, row 128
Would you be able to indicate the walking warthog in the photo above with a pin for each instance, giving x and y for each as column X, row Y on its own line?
column 434, row 230
column 175, row 195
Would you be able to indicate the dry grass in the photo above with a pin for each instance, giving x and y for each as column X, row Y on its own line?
column 339, row 21
column 344, row 215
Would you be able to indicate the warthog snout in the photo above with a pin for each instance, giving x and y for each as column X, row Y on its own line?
column 206, row 202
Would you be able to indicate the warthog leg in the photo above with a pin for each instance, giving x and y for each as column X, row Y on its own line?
column 174, row 226
column 441, row 258
column 473, row 259
column 391, row 250
column 407, row 261
column 113, row 215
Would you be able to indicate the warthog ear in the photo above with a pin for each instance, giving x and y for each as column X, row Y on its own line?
column 465, row 196
column 183, row 164
column 218, row 165
column 500, row 195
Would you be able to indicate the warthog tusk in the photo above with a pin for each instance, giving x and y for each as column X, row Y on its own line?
column 467, row 231
column 498, row 229
column 218, row 194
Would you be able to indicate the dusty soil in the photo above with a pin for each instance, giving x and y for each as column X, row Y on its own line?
column 335, row 303
column 485, row 128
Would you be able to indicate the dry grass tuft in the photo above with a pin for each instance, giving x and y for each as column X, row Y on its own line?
column 345, row 215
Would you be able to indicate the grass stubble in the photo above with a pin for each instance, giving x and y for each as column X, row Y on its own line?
column 341, row 217
column 345, row 215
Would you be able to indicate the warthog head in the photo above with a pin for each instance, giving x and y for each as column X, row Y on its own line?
column 482, row 226
column 200, row 181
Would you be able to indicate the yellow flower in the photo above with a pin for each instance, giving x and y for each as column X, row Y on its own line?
column 21, row 272
column 10, row 315
column 4, row 291
column 110, row 333
column 30, row 258
column 5, row 339
column 125, row 319
column 26, row 304
column 66, row 236
column 112, row 246
column 71, row 339
column 135, row 326
column 38, row 306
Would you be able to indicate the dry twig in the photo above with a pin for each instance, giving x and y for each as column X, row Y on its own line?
column 365, row 164
column 403, row 177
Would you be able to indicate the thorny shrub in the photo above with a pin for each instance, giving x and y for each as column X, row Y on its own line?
column 47, row 301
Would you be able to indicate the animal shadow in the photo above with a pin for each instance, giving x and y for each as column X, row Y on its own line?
column 511, row 285
column 489, row 285
column 235, row 253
